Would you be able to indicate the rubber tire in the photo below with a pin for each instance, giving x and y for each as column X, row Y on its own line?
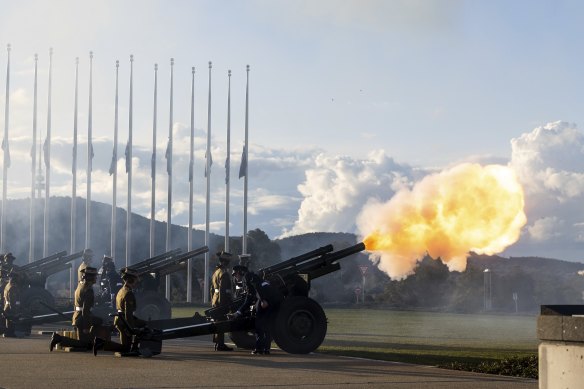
column 300, row 325
column 152, row 306
column 243, row 339
column 31, row 298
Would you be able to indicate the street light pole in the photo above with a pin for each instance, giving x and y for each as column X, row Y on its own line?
column 487, row 290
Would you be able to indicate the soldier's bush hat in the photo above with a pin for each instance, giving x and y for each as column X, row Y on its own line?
column 128, row 272
column 88, row 253
column 239, row 269
column 224, row 256
column 107, row 258
column 9, row 257
column 89, row 272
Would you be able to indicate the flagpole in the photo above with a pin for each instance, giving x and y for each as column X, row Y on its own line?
column 114, row 170
column 47, row 150
column 153, row 164
column 33, row 170
column 228, row 162
column 74, row 164
column 208, row 188
column 169, row 171
column 74, row 183
column 129, row 169
column 191, row 193
column 6, row 156
column 246, row 154
column 89, row 155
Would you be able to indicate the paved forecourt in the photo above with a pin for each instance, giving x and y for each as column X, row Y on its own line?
column 189, row 363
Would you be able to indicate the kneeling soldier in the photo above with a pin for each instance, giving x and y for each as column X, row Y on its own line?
column 125, row 322
column 84, row 321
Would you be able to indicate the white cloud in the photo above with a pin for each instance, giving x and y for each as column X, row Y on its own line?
column 336, row 188
column 545, row 228
column 550, row 160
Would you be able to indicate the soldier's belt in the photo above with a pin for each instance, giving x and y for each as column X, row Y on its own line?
column 78, row 309
column 216, row 290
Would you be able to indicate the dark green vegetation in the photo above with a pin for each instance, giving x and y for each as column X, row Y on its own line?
column 495, row 344
column 526, row 367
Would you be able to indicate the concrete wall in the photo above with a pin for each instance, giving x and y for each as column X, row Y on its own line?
column 561, row 365
column 561, row 351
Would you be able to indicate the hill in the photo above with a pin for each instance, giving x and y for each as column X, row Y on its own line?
column 534, row 280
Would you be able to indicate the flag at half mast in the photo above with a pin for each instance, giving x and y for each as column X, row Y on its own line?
column 113, row 164
column 6, row 149
column 46, row 153
column 168, row 156
column 127, row 154
column 243, row 166
column 209, row 163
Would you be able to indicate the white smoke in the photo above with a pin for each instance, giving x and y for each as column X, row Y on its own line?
column 336, row 188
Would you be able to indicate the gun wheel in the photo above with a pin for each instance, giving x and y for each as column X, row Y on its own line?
column 243, row 339
column 152, row 306
column 34, row 296
column 300, row 325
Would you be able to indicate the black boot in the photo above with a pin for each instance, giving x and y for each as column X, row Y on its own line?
column 222, row 347
column 55, row 339
column 98, row 344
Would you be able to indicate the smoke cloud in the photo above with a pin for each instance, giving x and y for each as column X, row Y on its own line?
column 336, row 188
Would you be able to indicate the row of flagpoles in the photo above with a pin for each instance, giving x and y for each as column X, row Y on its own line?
column 36, row 181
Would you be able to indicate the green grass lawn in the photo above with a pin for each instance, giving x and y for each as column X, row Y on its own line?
column 427, row 338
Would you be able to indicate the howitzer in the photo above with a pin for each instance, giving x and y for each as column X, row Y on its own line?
column 36, row 297
column 37, row 272
column 170, row 264
column 299, row 325
column 35, row 265
column 146, row 264
column 152, row 305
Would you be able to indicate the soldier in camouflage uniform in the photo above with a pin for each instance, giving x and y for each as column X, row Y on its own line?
column 84, row 321
column 221, row 293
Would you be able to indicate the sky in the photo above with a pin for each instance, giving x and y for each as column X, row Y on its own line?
column 349, row 100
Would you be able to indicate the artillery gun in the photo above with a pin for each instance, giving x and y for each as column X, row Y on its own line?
column 36, row 297
column 298, row 327
column 151, row 304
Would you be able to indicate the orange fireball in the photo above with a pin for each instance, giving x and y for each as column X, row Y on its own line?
column 446, row 215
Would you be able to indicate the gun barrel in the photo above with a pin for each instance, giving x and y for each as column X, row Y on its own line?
column 60, row 264
column 193, row 253
column 332, row 257
column 296, row 260
column 38, row 263
column 145, row 265
column 165, row 265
